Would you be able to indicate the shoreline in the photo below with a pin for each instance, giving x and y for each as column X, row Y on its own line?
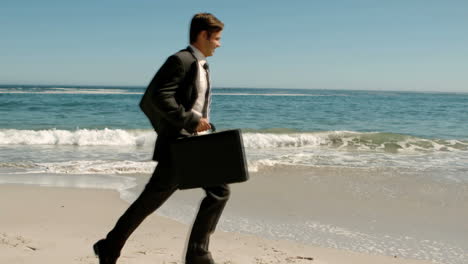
column 60, row 224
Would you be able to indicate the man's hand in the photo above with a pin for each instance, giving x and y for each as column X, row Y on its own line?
column 203, row 125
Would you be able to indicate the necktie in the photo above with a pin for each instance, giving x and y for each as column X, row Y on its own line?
column 206, row 106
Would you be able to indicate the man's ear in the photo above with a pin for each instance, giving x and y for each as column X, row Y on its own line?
column 204, row 34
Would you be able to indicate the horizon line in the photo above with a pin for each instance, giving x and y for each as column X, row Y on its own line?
column 228, row 87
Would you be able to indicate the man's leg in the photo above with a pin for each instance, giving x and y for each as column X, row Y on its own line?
column 156, row 192
column 208, row 215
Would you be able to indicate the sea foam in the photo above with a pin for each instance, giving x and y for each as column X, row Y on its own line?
column 79, row 137
column 341, row 140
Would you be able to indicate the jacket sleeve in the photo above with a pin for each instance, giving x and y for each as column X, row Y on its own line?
column 164, row 85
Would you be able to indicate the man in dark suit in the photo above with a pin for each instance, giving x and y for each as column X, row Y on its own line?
column 177, row 102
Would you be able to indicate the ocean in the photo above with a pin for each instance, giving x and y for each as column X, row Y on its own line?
column 405, row 148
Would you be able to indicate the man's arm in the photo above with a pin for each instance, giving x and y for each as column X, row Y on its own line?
column 164, row 86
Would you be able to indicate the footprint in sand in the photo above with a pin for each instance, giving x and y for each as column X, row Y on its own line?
column 17, row 241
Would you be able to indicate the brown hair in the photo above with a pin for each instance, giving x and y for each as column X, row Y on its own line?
column 204, row 21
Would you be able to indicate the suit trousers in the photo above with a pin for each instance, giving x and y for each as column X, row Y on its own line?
column 159, row 188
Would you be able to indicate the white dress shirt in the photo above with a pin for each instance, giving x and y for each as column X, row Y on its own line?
column 202, row 83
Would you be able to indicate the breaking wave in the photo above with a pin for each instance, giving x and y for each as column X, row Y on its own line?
column 350, row 140
column 341, row 140
column 79, row 137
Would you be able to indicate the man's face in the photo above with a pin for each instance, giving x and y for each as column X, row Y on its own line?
column 211, row 43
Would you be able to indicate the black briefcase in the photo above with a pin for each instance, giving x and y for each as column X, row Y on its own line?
column 209, row 160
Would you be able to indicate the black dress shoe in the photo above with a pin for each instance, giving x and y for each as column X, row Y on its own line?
column 104, row 253
column 199, row 259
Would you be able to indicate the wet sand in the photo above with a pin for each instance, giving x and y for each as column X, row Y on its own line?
column 386, row 211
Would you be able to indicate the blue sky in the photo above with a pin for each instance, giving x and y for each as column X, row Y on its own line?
column 379, row 45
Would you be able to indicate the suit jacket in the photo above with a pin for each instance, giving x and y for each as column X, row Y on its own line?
column 169, row 99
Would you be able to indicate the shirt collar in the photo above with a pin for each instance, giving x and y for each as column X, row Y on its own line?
column 198, row 54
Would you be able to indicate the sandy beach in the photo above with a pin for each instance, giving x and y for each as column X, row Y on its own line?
column 59, row 225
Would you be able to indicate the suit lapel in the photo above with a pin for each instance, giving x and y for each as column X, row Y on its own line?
column 193, row 75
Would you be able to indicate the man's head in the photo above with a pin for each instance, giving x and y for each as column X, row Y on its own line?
column 205, row 33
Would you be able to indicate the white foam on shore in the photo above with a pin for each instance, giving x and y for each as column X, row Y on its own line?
column 97, row 167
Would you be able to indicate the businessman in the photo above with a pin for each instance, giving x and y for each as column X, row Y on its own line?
column 177, row 102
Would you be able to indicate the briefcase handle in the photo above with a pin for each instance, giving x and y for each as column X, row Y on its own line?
column 213, row 128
